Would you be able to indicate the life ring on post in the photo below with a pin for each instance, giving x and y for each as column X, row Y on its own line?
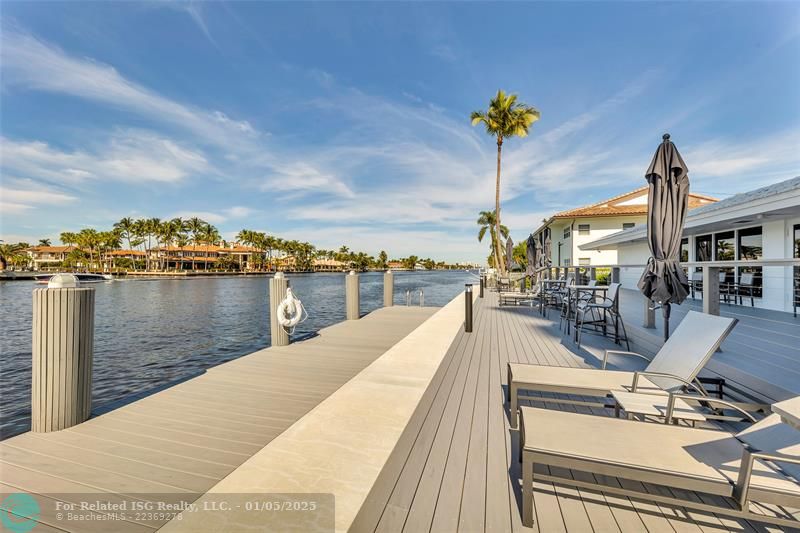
column 291, row 312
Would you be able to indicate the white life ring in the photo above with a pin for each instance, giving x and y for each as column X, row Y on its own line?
column 290, row 311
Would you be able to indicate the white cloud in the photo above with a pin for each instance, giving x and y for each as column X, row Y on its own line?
column 217, row 217
column 21, row 195
column 745, row 164
column 36, row 64
column 128, row 156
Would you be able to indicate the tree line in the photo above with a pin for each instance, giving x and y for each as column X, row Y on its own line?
column 91, row 245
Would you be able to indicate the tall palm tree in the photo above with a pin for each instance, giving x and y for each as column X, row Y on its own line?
column 488, row 222
column 68, row 238
column 127, row 227
column 505, row 118
column 44, row 242
column 209, row 235
column 195, row 226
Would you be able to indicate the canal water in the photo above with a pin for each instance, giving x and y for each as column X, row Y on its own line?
column 149, row 333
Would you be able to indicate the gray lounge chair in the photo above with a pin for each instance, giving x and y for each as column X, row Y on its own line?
column 515, row 298
column 674, row 367
column 757, row 465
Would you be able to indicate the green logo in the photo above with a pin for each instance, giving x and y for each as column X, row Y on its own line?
column 19, row 512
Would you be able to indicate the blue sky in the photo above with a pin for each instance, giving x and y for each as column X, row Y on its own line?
column 348, row 123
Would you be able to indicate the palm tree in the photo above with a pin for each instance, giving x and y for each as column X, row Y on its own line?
column 488, row 222
column 44, row 242
column 127, row 228
column 68, row 238
column 10, row 254
column 194, row 226
column 505, row 118
column 208, row 235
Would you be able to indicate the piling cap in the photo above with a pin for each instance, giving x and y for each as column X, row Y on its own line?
column 278, row 275
column 63, row 281
column 352, row 272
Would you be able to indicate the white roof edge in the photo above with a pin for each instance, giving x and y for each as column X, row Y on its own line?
column 776, row 196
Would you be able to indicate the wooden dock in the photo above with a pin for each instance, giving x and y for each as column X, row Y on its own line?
column 188, row 437
column 456, row 467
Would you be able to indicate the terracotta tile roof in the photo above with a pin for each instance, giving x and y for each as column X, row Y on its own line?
column 50, row 249
column 622, row 205
column 124, row 253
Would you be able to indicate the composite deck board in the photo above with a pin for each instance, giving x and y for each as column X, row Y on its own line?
column 462, row 472
column 186, row 438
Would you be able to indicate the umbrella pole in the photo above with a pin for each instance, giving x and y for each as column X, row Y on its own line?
column 665, row 311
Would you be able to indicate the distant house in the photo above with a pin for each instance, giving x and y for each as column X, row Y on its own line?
column 563, row 234
column 202, row 255
column 395, row 265
column 47, row 256
column 329, row 265
column 756, row 225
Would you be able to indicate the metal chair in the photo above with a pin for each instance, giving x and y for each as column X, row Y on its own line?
column 745, row 285
column 608, row 307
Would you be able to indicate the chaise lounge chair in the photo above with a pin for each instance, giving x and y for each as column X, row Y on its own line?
column 515, row 298
column 674, row 367
column 759, row 465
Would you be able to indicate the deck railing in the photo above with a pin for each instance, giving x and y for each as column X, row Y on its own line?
column 710, row 278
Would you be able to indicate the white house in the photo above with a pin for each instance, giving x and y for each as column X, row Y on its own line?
column 564, row 233
column 763, row 224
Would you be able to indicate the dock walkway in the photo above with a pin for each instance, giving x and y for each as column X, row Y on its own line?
column 458, row 468
column 186, row 438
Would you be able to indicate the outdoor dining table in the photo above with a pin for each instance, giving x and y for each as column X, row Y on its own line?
column 572, row 296
column 545, row 286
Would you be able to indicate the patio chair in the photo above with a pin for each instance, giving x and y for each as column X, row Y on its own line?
column 759, row 465
column 674, row 368
column 516, row 298
column 606, row 308
column 745, row 287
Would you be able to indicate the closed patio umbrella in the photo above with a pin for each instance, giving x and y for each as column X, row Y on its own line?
column 530, row 255
column 509, row 253
column 663, row 280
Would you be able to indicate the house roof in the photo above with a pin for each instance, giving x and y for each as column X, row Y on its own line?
column 50, row 249
column 777, row 200
column 125, row 253
column 628, row 204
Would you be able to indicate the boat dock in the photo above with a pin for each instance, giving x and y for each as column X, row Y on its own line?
column 401, row 416
column 188, row 437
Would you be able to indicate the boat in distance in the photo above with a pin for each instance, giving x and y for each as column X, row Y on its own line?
column 83, row 277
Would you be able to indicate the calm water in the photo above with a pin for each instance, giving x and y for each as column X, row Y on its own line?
column 152, row 332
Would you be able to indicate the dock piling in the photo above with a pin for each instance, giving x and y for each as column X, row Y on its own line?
column 277, row 292
column 388, row 288
column 63, row 346
column 468, row 308
column 351, row 293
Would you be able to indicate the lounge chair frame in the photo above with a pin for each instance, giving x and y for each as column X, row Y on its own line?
column 737, row 507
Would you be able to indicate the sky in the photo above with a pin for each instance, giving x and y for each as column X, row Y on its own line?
column 348, row 123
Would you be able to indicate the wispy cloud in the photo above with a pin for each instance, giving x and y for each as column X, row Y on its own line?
column 20, row 195
column 217, row 217
column 132, row 156
column 31, row 63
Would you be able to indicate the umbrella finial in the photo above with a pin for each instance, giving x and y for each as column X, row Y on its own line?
column 665, row 137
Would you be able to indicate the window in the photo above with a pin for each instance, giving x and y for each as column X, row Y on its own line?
column 566, row 262
column 583, row 229
column 684, row 250
column 566, row 232
column 584, row 261
column 724, row 246
column 750, row 243
column 702, row 246
column 628, row 225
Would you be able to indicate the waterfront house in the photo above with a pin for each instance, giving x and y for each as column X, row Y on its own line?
column 760, row 225
column 569, row 230
column 44, row 257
